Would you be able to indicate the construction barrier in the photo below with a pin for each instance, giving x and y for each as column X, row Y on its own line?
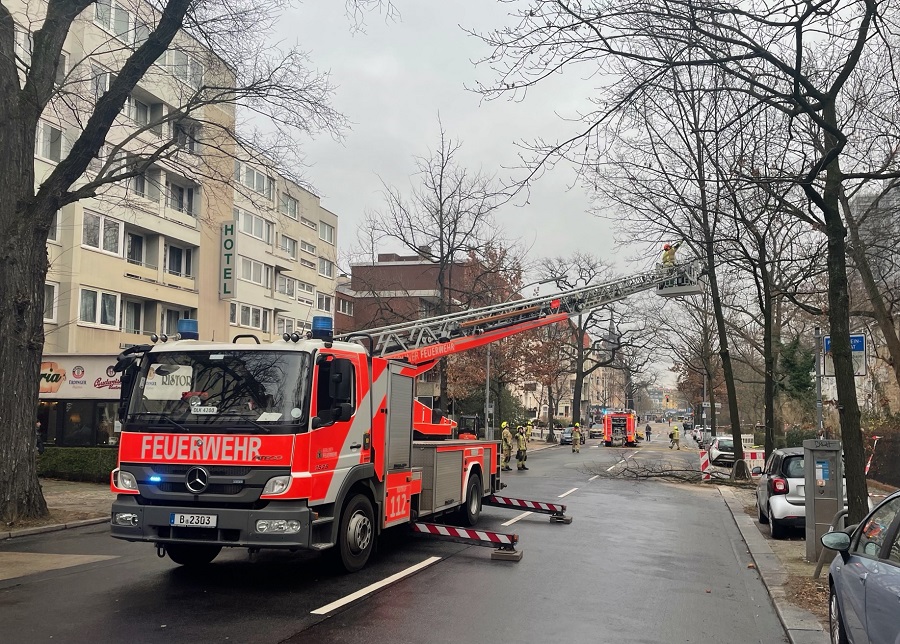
column 755, row 458
column 505, row 544
column 704, row 465
column 555, row 510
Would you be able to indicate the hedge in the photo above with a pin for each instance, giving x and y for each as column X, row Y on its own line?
column 78, row 463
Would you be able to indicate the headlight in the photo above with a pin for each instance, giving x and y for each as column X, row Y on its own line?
column 282, row 526
column 126, row 481
column 277, row 485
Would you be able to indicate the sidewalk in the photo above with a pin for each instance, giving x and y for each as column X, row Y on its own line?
column 802, row 627
column 71, row 505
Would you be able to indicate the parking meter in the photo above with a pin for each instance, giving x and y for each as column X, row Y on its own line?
column 823, row 465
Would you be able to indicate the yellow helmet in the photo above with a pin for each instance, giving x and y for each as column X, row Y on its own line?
column 577, row 425
column 504, row 425
column 530, row 424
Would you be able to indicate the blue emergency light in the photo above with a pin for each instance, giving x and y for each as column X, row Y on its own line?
column 322, row 328
column 188, row 329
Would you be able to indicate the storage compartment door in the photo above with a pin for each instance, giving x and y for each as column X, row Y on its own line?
column 399, row 421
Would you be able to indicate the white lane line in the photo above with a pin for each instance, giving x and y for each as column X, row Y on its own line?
column 594, row 476
column 324, row 610
column 518, row 518
column 613, row 465
column 564, row 494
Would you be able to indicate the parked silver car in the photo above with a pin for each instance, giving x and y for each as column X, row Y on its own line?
column 780, row 492
column 721, row 451
column 864, row 579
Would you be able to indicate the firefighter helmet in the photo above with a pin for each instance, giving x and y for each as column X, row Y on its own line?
column 577, row 425
column 504, row 425
column 666, row 247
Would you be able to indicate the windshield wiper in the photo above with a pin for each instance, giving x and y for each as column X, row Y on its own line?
column 163, row 418
column 262, row 428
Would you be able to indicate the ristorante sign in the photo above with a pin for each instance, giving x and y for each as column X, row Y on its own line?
column 79, row 376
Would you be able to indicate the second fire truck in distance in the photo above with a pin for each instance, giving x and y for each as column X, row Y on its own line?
column 309, row 442
column 620, row 428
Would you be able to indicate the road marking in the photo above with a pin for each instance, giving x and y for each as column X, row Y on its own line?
column 514, row 519
column 594, row 476
column 324, row 610
column 564, row 494
column 613, row 465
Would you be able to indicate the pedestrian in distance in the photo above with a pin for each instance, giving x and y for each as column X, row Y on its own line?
column 506, row 444
column 522, row 451
column 647, row 432
column 675, row 438
column 38, row 438
column 576, row 438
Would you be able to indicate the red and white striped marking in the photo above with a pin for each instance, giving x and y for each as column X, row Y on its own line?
column 464, row 533
column 755, row 458
column 704, row 464
column 522, row 503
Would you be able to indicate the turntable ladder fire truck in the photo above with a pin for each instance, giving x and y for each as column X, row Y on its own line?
column 308, row 442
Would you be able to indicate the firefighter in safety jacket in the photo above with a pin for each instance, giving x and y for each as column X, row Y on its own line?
column 521, row 453
column 506, row 443
column 528, row 428
column 576, row 438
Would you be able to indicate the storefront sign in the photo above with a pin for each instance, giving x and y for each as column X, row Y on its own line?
column 79, row 376
column 228, row 261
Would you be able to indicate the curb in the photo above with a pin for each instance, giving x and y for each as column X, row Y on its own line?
column 56, row 527
column 801, row 626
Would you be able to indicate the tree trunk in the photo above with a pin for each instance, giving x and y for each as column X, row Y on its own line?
column 768, row 360
column 839, row 322
column 23, row 255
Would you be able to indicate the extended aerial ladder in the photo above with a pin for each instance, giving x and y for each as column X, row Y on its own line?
column 423, row 342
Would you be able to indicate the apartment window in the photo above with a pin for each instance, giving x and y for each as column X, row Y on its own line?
column 133, row 317
column 170, row 319
column 180, row 261
column 186, row 68
column 323, row 302
column 256, row 272
column 141, row 32
column 307, row 247
column 256, row 226
column 285, row 285
column 24, row 44
column 326, row 268
column 182, row 198
column 146, row 185
column 185, row 136
column 289, row 206
column 138, row 111
column 100, row 80
column 345, row 306
column 62, row 68
column 308, row 223
column 326, row 232
column 305, row 300
column 102, row 233
column 134, row 249
column 254, row 317
column 307, row 263
column 50, row 142
column 284, row 325
column 257, row 181
column 99, row 307
column 53, row 232
column 288, row 245
column 51, row 294
column 232, row 313
column 305, row 287
column 113, row 17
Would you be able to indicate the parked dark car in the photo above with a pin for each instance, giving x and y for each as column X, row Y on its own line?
column 864, row 578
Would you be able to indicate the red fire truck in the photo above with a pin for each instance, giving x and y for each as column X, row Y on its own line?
column 619, row 428
column 309, row 442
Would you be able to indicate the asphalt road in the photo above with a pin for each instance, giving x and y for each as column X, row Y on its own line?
column 641, row 562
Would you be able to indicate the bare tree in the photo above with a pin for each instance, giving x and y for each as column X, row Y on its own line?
column 218, row 61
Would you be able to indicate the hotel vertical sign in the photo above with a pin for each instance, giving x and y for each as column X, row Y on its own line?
column 228, row 260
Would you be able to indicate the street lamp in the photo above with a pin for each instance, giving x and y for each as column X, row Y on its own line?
column 817, row 333
column 487, row 370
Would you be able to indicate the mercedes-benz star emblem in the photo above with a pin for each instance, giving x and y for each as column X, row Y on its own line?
column 197, row 479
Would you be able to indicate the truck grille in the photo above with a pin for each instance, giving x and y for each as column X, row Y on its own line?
column 214, row 470
column 214, row 488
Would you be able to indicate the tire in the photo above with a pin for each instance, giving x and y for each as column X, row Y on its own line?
column 776, row 529
column 607, row 443
column 356, row 533
column 470, row 512
column 835, row 621
column 763, row 519
column 192, row 555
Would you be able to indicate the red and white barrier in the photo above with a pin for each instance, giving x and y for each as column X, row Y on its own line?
column 477, row 537
column 704, row 465
column 755, row 458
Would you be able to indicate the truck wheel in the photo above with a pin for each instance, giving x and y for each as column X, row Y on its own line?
column 191, row 555
column 472, row 509
column 607, row 443
column 356, row 534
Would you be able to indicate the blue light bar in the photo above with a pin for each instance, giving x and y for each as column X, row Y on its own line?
column 155, row 479
column 188, row 329
column 322, row 327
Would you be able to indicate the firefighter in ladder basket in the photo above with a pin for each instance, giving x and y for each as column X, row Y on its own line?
column 668, row 256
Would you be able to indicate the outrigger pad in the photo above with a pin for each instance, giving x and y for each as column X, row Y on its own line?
column 560, row 518
column 506, row 555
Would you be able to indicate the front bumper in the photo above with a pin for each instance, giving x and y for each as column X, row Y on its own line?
column 235, row 526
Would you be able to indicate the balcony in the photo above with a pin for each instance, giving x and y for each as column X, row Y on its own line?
column 145, row 271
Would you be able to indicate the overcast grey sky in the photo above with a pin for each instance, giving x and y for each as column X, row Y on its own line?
column 393, row 82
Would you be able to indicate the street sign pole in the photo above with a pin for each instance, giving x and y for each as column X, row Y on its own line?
column 818, row 336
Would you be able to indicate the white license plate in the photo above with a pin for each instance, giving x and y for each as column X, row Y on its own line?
column 193, row 520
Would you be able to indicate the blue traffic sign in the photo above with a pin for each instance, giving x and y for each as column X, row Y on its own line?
column 857, row 343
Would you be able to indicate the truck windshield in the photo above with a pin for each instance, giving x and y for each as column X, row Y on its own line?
column 222, row 391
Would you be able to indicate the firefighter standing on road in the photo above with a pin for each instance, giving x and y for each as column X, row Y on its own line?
column 522, row 451
column 506, row 443
column 676, row 439
column 528, row 429
column 576, row 438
